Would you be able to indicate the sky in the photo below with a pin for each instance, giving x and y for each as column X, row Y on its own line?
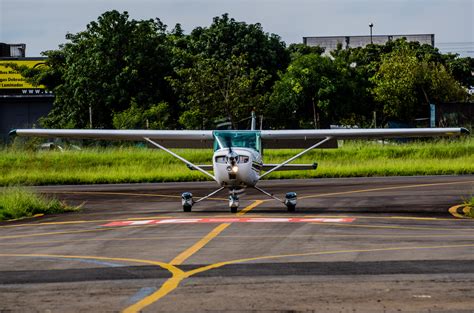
column 43, row 24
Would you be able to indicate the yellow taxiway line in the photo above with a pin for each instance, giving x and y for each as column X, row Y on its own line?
column 124, row 194
column 173, row 282
column 245, row 210
column 279, row 237
column 179, row 275
column 268, row 257
column 385, row 188
column 183, row 256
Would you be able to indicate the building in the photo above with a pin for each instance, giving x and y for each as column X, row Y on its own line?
column 21, row 104
column 330, row 43
column 12, row 50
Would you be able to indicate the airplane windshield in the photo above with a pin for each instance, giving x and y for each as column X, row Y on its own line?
column 238, row 139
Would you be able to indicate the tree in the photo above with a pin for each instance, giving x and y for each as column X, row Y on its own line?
column 404, row 83
column 214, row 89
column 100, row 70
column 460, row 68
column 226, row 38
column 314, row 92
column 136, row 117
column 299, row 49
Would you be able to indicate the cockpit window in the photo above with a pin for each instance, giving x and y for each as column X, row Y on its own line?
column 238, row 139
column 243, row 159
column 220, row 159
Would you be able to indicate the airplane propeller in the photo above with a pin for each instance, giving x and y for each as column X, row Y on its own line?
column 232, row 156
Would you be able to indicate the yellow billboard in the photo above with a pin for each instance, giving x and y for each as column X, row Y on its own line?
column 11, row 79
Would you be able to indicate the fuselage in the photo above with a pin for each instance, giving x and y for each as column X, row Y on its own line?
column 237, row 159
column 237, row 167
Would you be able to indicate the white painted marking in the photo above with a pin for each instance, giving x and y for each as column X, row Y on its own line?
column 141, row 222
column 269, row 220
column 231, row 220
column 177, row 221
column 422, row 296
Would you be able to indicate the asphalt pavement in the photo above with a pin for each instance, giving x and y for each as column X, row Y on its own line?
column 384, row 244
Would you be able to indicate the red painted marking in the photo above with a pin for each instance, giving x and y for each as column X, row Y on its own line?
column 231, row 220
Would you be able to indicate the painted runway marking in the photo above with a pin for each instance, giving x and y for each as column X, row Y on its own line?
column 230, row 220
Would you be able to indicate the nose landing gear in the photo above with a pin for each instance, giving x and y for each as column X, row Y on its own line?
column 233, row 203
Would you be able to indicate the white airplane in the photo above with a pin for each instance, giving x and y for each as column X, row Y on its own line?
column 237, row 161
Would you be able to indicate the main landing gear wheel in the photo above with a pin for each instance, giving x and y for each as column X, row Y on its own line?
column 187, row 201
column 291, row 208
column 290, row 201
column 233, row 203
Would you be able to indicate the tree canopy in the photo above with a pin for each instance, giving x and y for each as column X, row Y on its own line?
column 406, row 83
column 126, row 73
column 102, row 69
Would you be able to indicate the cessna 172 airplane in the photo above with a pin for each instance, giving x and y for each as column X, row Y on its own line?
column 237, row 161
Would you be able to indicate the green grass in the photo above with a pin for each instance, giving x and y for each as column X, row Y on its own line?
column 470, row 204
column 18, row 202
column 133, row 164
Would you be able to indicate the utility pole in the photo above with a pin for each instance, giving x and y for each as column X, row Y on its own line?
column 90, row 115
column 371, row 25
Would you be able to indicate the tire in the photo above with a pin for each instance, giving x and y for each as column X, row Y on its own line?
column 291, row 208
column 187, row 208
column 233, row 209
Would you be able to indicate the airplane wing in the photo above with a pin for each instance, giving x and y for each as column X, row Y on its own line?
column 302, row 138
column 273, row 139
column 168, row 138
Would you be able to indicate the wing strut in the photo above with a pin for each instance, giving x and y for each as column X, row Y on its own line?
column 296, row 156
column 209, row 195
column 268, row 194
column 180, row 158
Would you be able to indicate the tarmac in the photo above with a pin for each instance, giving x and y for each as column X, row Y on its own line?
column 383, row 244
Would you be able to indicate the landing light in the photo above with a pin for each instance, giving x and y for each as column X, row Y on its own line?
column 235, row 168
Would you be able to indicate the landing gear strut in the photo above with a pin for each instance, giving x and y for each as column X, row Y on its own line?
column 290, row 199
column 233, row 203
column 187, row 199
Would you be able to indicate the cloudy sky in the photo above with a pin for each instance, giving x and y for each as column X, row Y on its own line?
column 42, row 24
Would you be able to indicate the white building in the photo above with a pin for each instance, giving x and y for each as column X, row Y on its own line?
column 330, row 43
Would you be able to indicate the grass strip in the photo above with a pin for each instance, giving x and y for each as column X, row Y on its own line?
column 470, row 204
column 18, row 202
column 134, row 164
